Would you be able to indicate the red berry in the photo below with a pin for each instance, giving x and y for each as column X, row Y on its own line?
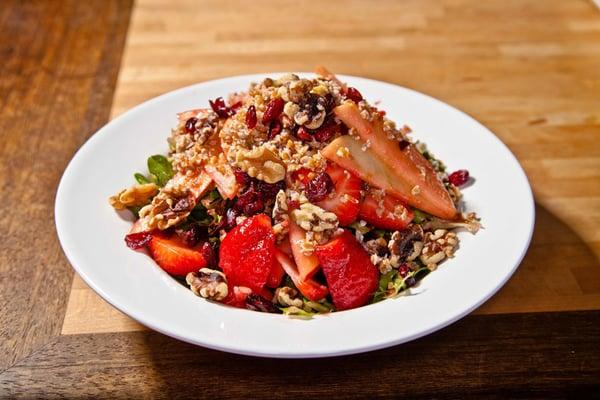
column 304, row 134
column 241, row 177
column 459, row 178
column 326, row 132
column 353, row 94
column 403, row 270
column 319, row 187
column 274, row 109
column 274, row 129
column 236, row 106
column 138, row 240
column 251, row 117
column 247, row 253
column 190, row 125
column 220, row 107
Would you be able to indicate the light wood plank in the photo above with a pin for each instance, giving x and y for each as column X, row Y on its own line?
column 529, row 70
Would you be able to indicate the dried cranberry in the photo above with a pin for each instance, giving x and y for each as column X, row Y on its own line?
column 326, row 132
column 304, row 134
column 249, row 202
column 251, row 117
column 220, row 107
column 190, row 125
column 403, row 270
column 274, row 129
column 138, row 240
column 319, row 187
column 353, row 94
column 403, row 144
column 236, row 106
column 255, row 302
column 274, row 109
column 209, row 254
column 190, row 235
column 241, row 177
column 459, row 178
column 269, row 190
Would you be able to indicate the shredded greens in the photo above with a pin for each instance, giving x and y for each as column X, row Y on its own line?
column 392, row 283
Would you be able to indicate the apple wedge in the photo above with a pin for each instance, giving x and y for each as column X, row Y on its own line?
column 307, row 265
column 350, row 154
column 325, row 73
column 406, row 173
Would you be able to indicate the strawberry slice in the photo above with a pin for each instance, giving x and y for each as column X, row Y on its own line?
column 307, row 265
column 276, row 276
column 344, row 201
column 351, row 276
column 309, row 288
column 172, row 255
column 384, row 211
column 236, row 296
column 247, row 253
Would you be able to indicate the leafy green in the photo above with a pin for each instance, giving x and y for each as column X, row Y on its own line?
column 384, row 281
column 297, row 312
column 141, row 179
column 200, row 215
column 419, row 216
column 161, row 168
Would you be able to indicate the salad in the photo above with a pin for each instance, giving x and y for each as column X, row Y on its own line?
column 296, row 196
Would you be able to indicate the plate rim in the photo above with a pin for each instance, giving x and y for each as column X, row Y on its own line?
column 234, row 348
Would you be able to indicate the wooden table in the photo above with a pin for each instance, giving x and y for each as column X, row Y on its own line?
column 529, row 70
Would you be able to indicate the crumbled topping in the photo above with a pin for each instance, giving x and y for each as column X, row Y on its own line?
column 137, row 195
column 437, row 246
column 287, row 297
column 208, row 283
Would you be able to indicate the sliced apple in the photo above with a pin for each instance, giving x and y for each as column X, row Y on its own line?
column 325, row 73
column 198, row 184
column 311, row 289
column 307, row 265
column 220, row 171
column 408, row 174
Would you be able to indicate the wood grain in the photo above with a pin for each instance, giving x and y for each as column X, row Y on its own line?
column 529, row 70
column 540, row 355
column 58, row 71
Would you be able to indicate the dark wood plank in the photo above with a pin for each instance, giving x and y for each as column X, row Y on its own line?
column 538, row 355
column 58, row 72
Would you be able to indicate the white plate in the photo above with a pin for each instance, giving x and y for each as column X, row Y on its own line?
column 91, row 233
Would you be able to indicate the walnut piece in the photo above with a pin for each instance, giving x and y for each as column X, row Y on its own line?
column 288, row 297
column 137, row 195
column 208, row 283
column 280, row 216
column 261, row 163
column 314, row 218
column 437, row 246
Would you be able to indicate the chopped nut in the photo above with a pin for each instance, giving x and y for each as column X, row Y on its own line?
column 137, row 195
column 401, row 242
column 314, row 218
column 208, row 283
column 287, row 297
column 261, row 161
column 437, row 246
